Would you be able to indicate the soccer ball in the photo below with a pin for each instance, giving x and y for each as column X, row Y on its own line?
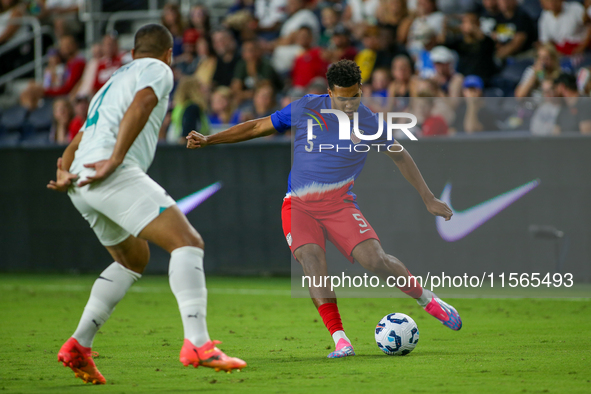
column 397, row 334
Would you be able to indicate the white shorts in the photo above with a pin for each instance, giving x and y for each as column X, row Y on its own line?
column 121, row 205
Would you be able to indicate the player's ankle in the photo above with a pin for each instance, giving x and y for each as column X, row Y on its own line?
column 425, row 298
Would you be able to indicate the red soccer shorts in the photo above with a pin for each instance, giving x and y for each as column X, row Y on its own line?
column 339, row 221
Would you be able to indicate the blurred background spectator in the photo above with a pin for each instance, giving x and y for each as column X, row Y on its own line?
column 487, row 64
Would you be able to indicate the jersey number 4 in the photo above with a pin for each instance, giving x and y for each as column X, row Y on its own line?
column 93, row 114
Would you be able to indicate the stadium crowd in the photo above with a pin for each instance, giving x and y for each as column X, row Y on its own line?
column 521, row 64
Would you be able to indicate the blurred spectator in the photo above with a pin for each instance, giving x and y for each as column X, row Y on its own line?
column 199, row 21
column 515, row 31
column 488, row 13
column 366, row 58
column 402, row 72
column 547, row 66
column 340, row 46
column 393, row 15
column 187, row 62
column 54, row 72
column 564, row 25
column 360, row 12
column 63, row 113
column 584, row 82
column 574, row 115
column 427, row 23
column 224, row 46
column 472, row 114
column 475, row 49
column 285, row 49
column 423, row 64
column 110, row 62
column 449, row 82
column 86, row 86
column 188, row 113
column 543, row 120
column 318, row 85
column 252, row 69
column 429, row 123
column 309, row 64
column 63, row 15
column 9, row 10
column 380, row 81
column 206, row 62
column 173, row 21
column 222, row 112
column 240, row 19
column 80, row 113
column 263, row 103
column 329, row 19
column 270, row 14
column 73, row 68
column 376, row 53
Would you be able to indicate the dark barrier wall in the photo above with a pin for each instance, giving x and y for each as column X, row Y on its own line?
column 41, row 231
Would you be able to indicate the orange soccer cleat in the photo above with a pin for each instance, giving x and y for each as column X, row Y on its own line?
column 79, row 359
column 209, row 356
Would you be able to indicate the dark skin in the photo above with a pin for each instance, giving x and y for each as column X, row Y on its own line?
column 368, row 253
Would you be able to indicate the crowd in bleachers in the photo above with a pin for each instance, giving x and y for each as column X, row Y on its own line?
column 418, row 55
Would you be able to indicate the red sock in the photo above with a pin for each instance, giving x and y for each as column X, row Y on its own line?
column 331, row 317
column 413, row 288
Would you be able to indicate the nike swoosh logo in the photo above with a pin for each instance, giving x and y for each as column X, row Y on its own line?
column 363, row 231
column 464, row 222
column 192, row 201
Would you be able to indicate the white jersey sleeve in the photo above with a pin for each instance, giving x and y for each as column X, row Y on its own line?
column 157, row 76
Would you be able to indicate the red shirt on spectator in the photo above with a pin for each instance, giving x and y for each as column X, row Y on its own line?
column 308, row 66
column 72, row 74
column 106, row 68
column 74, row 127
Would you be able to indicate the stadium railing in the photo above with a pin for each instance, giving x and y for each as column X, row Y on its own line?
column 37, row 63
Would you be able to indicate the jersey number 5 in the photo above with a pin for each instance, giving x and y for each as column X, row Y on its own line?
column 363, row 224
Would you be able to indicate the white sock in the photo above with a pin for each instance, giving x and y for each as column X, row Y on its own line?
column 187, row 281
column 425, row 298
column 107, row 291
column 339, row 335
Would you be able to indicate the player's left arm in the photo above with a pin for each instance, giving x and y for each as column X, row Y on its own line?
column 409, row 169
column 131, row 125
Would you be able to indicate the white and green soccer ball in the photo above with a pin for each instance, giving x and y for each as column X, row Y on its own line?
column 397, row 334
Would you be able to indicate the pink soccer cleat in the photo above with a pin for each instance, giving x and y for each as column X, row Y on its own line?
column 445, row 313
column 343, row 349
column 79, row 359
column 209, row 356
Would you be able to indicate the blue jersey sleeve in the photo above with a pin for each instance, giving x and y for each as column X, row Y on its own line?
column 282, row 119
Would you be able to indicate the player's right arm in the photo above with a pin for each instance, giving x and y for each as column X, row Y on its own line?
column 241, row 132
column 64, row 178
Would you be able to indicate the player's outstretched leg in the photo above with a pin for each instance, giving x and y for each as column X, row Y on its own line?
column 313, row 260
column 372, row 257
column 172, row 232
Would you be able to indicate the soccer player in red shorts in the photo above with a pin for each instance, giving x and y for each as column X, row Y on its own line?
column 320, row 204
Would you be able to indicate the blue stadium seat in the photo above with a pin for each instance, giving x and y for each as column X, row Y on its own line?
column 36, row 139
column 533, row 8
column 41, row 118
column 14, row 118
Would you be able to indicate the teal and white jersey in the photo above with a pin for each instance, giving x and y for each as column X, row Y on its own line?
column 110, row 103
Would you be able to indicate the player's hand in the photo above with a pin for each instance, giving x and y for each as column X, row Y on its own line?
column 103, row 169
column 196, row 140
column 438, row 208
column 63, row 179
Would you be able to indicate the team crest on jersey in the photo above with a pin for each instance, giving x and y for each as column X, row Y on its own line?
column 288, row 237
column 356, row 139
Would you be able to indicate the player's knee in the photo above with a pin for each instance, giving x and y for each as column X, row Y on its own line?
column 195, row 240
column 376, row 263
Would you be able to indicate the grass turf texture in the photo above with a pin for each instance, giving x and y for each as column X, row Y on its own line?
column 506, row 345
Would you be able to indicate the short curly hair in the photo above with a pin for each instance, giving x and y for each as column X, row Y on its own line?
column 344, row 73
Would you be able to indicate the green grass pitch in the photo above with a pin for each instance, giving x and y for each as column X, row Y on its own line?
column 505, row 346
